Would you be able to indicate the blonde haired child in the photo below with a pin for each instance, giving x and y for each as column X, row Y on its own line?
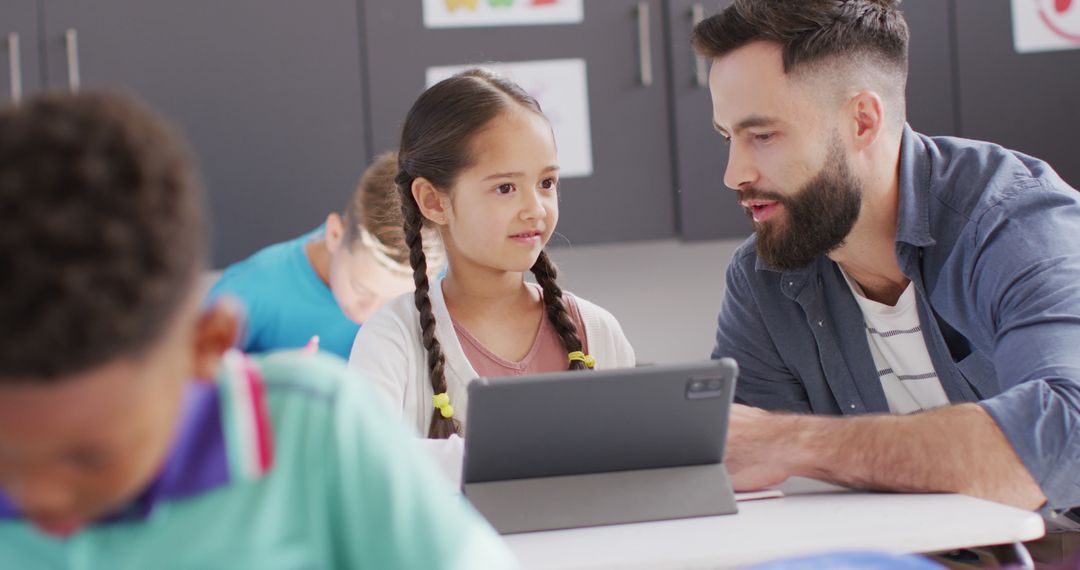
column 326, row 283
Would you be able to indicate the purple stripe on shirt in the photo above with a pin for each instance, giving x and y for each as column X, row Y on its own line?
column 7, row 510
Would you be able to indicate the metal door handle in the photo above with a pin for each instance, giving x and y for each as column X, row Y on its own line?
column 71, row 42
column 15, row 67
column 701, row 70
column 644, row 45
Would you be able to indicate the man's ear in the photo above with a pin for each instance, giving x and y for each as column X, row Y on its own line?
column 434, row 205
column 867, row 113
column 334, row 232
column 215, row 332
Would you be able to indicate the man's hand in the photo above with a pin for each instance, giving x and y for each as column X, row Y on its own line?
column 956, row 449
column 755, row 456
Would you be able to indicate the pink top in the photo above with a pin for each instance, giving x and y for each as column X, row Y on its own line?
column 546, row 355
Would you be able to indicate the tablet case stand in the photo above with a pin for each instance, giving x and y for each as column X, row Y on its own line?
column 571, row 501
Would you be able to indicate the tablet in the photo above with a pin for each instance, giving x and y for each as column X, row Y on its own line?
column 581, row 448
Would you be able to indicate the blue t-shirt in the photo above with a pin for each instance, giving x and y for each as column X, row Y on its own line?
column 285, row 300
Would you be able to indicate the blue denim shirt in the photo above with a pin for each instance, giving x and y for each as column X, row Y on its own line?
column 991, row 240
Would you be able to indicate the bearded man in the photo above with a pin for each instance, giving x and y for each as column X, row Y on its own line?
column 906, row 315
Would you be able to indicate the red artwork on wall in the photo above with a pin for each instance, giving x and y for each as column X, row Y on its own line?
column 1058, row 19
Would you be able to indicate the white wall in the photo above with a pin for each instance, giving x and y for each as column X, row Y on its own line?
column 666, row 294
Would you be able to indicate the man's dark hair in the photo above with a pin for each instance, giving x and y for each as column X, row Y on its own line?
column 870, row 33
column 101, row 233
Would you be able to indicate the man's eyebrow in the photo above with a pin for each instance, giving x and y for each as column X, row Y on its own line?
column 753, row 121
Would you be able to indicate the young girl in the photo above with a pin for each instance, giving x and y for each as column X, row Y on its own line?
column 320, row 286
column 478, row 163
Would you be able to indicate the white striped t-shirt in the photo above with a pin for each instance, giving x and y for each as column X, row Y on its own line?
column 894, row 334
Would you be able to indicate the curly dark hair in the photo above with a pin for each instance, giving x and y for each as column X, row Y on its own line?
column 101, row 232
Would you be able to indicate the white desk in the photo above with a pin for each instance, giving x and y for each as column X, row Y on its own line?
column 813, row 518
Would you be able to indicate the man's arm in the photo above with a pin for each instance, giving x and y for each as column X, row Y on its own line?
column 958, row 449
column 764, row 379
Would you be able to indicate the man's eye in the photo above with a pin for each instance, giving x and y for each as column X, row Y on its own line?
column 764, row 137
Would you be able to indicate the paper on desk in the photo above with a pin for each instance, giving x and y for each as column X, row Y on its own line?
column 762, row 494
column 448, row 455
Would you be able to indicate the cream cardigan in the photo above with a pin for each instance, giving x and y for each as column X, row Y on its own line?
column 388, row 352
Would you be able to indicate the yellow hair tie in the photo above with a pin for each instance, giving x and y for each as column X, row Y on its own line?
column 441, row 401
column 587, row 359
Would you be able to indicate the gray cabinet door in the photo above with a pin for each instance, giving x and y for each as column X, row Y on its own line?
column 628, row 196
column 267, row 91
column 707, row 209
column 19, row 64
column 931, row 89
column 1028, row 102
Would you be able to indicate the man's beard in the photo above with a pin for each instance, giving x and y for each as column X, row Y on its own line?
column 818, row 217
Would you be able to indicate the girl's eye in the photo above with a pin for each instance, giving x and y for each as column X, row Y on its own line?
column 549, row 183
column 505, row 188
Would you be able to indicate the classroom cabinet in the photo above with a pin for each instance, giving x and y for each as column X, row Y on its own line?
column 1029, row 102
column 706, row 208
column 931, row 87
column 284, row 103
column 268, row 93
column 19, row 71
column 627, row 195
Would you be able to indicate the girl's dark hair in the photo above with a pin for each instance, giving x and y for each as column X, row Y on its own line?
column 435, row 145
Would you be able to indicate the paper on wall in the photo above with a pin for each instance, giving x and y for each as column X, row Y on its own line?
column 561, row 88
column 1045, row 25
column 477, row 13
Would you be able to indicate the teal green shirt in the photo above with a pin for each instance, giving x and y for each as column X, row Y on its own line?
column 286, row 462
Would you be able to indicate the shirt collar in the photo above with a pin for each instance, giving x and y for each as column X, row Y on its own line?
column 913, row 208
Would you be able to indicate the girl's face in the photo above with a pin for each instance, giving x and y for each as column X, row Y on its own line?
column 503, row 209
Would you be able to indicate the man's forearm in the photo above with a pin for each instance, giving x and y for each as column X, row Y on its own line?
column 958, row 449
